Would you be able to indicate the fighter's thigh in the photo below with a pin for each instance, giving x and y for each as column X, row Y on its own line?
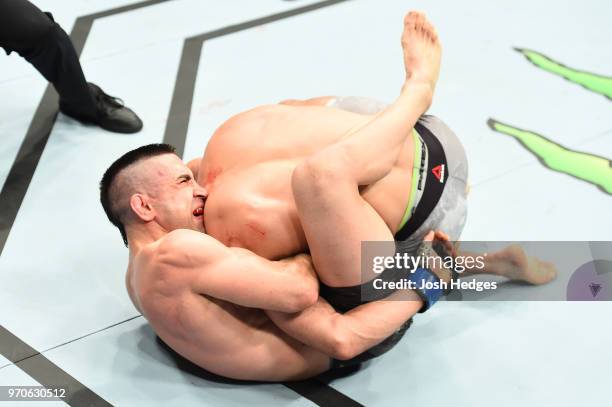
column 336, row 219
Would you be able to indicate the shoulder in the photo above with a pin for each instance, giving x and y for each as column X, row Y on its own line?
column 185, row 248
column 171, row 263
column 181, row 240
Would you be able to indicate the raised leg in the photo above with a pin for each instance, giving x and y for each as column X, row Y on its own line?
column 326, row 186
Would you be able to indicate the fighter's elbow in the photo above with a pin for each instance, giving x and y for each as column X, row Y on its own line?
column 311, row 295
column 342, row 345
column 342, row 348
column 303, row 298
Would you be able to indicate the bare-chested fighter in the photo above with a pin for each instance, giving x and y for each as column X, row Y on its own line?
column 276, row 181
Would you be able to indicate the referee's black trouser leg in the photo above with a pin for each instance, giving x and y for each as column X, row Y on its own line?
column 34, row 35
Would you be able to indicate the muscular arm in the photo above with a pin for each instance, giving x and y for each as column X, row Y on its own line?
column 238, row 275
column 344, row 336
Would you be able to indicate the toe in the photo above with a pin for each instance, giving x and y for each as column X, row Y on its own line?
column 411, row 19
column 420, row 22
column 428, row 29
column 410, row 26
column 431, row 30
column 434, row 32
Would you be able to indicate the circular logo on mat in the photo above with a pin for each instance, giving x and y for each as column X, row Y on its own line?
column 591, row 282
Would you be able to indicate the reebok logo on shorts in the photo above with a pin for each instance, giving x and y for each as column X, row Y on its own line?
column 438, row 171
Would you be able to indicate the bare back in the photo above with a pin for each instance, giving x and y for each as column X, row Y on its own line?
column 247, row 168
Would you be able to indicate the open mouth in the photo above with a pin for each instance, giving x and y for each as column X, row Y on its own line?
column 198, row 211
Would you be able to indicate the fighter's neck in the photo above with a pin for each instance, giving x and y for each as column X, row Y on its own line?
column 143, row 235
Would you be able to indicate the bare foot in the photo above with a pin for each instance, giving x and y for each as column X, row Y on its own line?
column 513, row 263
column 422, row 50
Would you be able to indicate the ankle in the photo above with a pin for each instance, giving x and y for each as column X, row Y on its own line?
column 420, row 90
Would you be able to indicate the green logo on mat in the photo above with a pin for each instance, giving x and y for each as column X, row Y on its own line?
column 587, row 167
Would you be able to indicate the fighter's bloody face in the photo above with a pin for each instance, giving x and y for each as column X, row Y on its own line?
column 177, row 199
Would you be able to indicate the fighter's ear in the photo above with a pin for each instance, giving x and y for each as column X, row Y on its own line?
column 142, row 208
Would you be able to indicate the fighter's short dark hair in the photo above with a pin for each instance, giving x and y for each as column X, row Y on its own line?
column 106, row 196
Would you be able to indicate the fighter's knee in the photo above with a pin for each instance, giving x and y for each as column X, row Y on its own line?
column 319, row 172
column 305, row 175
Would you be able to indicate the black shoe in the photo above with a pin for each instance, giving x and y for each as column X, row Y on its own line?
column 111, row 113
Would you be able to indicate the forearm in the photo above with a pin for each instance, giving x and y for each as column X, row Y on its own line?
column 369, row 324
column 237, row 275
column 287, row 285
column 343, row 336
column 315, row 326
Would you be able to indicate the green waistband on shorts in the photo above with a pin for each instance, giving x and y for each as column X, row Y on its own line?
column 415, row 178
